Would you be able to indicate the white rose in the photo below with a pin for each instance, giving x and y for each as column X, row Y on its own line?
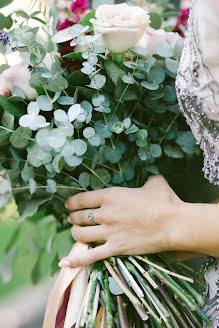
column 19, row 76
column 121, row 26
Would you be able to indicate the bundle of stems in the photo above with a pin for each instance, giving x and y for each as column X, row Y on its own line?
column 142, row 292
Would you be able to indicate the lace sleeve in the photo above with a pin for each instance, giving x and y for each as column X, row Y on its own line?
column 197, row 82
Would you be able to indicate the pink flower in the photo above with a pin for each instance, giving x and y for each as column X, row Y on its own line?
column 152, row 37
column 79, row 8
column 19, row 76
column 184, row 16
column 182, row 22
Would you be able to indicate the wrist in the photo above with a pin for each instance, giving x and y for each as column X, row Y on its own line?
column 196, row 229
column 180, row 233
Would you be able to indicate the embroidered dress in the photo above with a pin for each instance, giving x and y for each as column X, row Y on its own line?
column 197, row 88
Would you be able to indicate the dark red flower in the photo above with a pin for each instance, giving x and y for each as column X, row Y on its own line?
column 65, row 24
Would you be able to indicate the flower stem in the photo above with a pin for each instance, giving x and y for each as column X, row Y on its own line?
column 109, row 316
column 131, row 297
column 144, row 259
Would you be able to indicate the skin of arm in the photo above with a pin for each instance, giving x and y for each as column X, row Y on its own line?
column 143, row 220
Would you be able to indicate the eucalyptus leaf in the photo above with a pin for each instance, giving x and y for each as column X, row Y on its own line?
column 15, row 110
column 150, row 85
column 20, row 138
column 96, row 183
column 4, row 134
column 172, row 65
column 8, row 120
column 86, row 19
column 114, row 287
column 164, row 49
column 73, row 160
column 44, row 103
column 32, row 206
column 98, row 81
column 113, row 70
column 58, row 84
column 155, row 150
column 84, row 179
column 69, row 33
column 64, row 100
column 80, row 147
column 157, row 74
column 112, row 155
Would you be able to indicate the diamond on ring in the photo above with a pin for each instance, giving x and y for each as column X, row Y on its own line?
column 90, row 216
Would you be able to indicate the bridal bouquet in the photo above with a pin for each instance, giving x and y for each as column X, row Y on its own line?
column 104, row 114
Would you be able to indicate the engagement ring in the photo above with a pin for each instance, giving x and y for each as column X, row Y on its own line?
column 90, row 216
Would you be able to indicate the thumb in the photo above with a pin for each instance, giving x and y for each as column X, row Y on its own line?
column 92, row 255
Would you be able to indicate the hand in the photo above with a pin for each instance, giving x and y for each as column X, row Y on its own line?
column 129, row 221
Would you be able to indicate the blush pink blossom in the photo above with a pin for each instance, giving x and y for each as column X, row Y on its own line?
column 152, row 37
column 18, row 75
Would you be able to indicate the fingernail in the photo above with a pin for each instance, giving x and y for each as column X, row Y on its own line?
column 64, row 263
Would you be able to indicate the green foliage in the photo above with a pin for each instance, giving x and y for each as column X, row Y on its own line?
column 5, row 21
column 15, row 110
column 112, row 122
column 85, row 21
column 156, row 20
column 5, row 3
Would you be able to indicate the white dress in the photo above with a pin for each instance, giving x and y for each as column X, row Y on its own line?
column 197, row 88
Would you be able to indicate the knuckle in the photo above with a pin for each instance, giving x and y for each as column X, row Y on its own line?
column 77, row 234
column 109, row 193
column 79, row 199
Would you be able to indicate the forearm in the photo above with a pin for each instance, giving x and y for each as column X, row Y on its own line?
column 197, row 229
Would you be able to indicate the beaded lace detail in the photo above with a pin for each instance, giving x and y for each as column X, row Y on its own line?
column 198, row 95
column 196, row 89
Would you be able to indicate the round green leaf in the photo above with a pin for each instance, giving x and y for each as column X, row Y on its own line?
column 172, row 65
column 80, row 147
column 89, row 132
column 155, row 150
column 173, row 151
column 58, row 84
column 157, row 74
column 84, row 179
column 103, row 130
column 112, row 155
column 156, row 20
column 149, row 85
column 164, row 49
column 20, row 137
column 45, row 103
column 95, row 183
column 73, row 160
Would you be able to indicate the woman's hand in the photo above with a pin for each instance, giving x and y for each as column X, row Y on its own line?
column 129, row 221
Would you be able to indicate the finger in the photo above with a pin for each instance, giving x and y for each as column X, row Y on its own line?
column 92, row 255
column 90, row 199
column 88, row 234
column 81, row 217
